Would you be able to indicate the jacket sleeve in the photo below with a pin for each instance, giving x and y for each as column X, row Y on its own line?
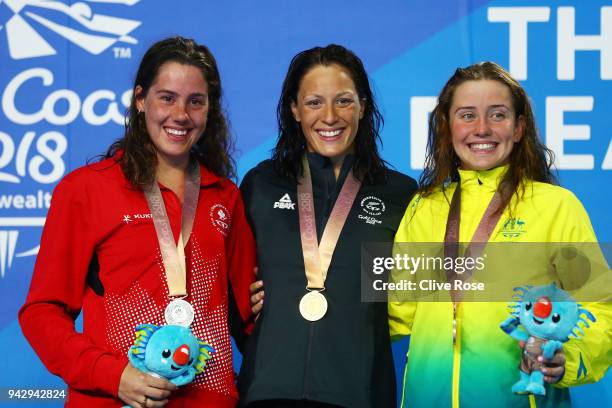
column 56, row 295
column 401, row 315
column 401, row 312
column 588, row 356
column 240, row 250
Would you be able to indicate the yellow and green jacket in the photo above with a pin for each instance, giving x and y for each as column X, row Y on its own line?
column 479, row 368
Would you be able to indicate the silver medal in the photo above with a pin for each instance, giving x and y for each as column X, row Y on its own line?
column 313, row 306
column 179, row 313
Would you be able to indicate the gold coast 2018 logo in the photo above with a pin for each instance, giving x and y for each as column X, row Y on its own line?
column 33, row 142
column 91, row 31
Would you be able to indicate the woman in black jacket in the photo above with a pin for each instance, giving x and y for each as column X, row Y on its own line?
column 316, row 344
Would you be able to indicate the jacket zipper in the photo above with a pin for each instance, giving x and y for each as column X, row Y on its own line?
column 307, row 366
column 456, row 357
column 457, row 363
column 329, row 203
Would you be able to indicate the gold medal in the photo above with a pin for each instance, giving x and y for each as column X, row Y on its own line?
column 318, row 255
column 313, row 306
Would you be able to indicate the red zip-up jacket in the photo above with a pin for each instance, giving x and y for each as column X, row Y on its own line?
column 99, row 254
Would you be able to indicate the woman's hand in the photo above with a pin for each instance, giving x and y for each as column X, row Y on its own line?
column 138, row 389
column 554, row 368
column 257, row 296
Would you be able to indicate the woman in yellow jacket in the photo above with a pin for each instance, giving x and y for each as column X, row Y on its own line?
column 482, row 139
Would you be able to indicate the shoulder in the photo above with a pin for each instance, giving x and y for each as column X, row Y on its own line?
column 400, row 181
column 558, row 210
column 393, row 183
column 94, row 176
column 95, row 185
column 538, row 187
column 551, row 193
column 434, row 204
column 263, row 169
column 553, row 200
column 226, row 184
column 394, row 191
column 440, row 195
column 107, row 168
column 219, row 186
column 264, row 177
column 228, row 189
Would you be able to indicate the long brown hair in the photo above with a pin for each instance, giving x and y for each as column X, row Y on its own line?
column 139, row 158
column 291, row 145
column 529, row 159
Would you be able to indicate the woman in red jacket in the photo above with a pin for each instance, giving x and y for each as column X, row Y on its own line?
column 109, row 251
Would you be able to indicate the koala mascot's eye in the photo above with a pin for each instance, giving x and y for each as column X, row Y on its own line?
column 556, row 318
column 528, row 306
column 166, row 353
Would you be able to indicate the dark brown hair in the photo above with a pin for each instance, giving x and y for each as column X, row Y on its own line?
column 291, row 145
column 138, row 159
column 529, row 159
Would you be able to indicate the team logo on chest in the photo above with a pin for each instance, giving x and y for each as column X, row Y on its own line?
column 513, row 228
column 221, row 218
column 285, row 203
column 372, row 207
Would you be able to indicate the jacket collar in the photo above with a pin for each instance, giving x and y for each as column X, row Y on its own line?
column 490, row 179
column 207, row 177
column 321, row 167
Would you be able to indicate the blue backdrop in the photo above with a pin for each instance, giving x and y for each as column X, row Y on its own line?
column 66, row 69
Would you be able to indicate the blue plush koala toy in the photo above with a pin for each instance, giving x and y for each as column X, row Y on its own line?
column 171, row 352
column 548, row 316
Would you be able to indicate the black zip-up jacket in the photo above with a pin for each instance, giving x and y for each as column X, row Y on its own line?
column 345, row 358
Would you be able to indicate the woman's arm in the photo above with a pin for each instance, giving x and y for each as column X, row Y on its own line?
column 56, row 296
column 588, row 357
column 240, row 252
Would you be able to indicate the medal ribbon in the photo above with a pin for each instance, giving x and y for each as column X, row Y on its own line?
column 317, row 257
column 479, row 239
column 173, row 256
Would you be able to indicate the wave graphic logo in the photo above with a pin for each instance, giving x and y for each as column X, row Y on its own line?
column 95, row 33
